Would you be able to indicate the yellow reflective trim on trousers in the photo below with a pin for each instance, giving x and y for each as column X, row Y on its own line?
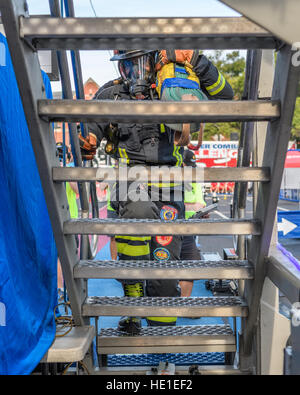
column 127, row 249
column 134, row 238
column 124, row 156
column 162, row 319
column 217, row 87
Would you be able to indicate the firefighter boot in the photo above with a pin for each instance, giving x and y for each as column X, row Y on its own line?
column 131, row 325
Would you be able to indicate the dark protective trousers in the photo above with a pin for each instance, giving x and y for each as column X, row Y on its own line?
column 157, row 248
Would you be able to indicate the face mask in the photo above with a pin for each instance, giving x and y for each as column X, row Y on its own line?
column 139, row 74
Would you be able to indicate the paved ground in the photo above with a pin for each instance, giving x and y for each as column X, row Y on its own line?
column 217, row 243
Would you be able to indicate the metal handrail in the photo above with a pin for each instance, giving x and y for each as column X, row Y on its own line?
column 284, row 273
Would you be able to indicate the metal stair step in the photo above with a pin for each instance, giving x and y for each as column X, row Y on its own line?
column 144, row 111
column 168, row 339
column 144, row 33
column 185, row 270
column 209, row 364
column 225, row 306
column 156, row 174
column 138, row 227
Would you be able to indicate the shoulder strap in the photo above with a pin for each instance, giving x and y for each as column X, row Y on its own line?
column 194, row 58
column 171, row 55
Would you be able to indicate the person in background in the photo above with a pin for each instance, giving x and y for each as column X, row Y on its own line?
column 193, row 201
column 71, row 187
column 111, row 214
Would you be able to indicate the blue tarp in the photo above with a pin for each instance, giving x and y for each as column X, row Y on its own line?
column 28, row 258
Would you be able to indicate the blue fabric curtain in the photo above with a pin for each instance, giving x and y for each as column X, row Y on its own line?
column 28, row 258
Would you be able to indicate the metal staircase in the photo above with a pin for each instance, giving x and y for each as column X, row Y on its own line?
column 25, row 36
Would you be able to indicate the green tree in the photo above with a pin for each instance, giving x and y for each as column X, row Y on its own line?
column 295, row 132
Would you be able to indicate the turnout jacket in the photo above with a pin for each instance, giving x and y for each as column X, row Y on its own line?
column 152, row 143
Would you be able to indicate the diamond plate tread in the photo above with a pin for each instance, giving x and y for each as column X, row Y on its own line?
column 201, row 269
column 200, row 338
column 224, row 306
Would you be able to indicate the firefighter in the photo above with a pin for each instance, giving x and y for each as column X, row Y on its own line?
column 148, row 144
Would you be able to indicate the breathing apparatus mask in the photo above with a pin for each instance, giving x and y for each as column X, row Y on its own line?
column 137, row 68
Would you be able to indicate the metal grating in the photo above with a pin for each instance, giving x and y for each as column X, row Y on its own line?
column 148, row 270
column 177, row 359
column 187, row 330
column 165, row 307
column 168, row 339
column 226, row 301
column 164, row 265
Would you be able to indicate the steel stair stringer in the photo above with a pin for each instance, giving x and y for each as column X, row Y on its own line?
column 276, row 145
